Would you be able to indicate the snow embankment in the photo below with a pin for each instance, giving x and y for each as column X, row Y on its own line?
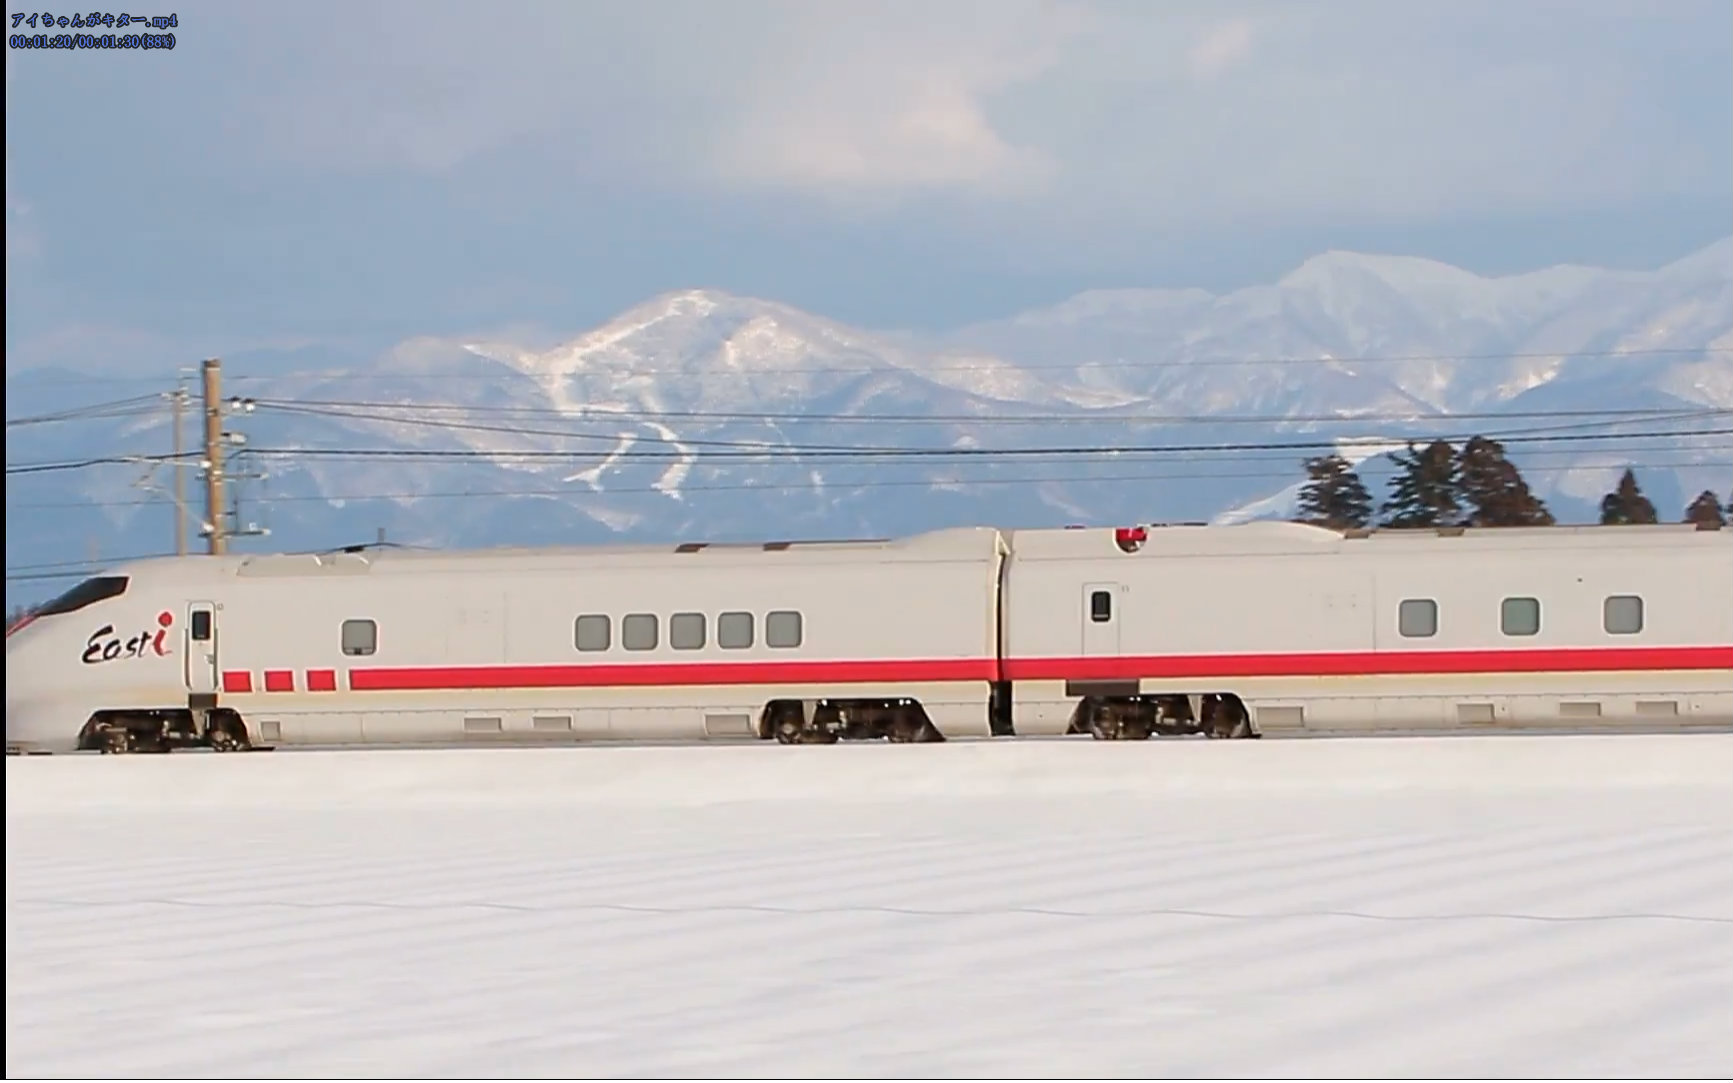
column 708, row 775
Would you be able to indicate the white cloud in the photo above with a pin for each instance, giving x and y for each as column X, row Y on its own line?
column 896, row 97
column 1223, row 46
column 1064, row 110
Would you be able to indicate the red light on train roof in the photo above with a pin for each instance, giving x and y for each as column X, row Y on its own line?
column 1130, row 538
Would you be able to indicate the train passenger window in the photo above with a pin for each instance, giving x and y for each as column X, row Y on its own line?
column 686, row 631
column 201, row 627
column 638, row 632
column 360, row 637
column 1100, row 607
column 1417, row 617
column 1622, row 615
column 594, row 632
column 782, row 628
column 734, row 631
column 1520, row 616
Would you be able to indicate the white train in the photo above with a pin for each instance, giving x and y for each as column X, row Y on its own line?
column 1249, row 630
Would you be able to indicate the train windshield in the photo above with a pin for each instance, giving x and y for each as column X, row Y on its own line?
column 89, row 592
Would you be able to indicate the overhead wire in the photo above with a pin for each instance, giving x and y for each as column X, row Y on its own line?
column 371, row 412
column 808, row 484
column 1081, row 415
column 128, row 407
column 986, row 364
column 904, row 453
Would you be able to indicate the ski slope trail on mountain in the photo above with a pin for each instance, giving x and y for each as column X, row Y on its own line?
column 1463, row 906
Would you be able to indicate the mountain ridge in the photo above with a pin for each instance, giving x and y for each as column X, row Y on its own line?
column 707, row 412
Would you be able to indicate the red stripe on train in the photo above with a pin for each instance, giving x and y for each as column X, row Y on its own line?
column 1122, row 667
column 279, row 680
column 1371, row 663
column 689, row 673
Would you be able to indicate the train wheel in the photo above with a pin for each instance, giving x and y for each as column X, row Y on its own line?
column 1104, row 728
column 224, row 739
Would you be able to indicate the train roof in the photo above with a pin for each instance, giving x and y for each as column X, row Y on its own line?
column 960, row 543
column 1274, row 538
column 957, row 543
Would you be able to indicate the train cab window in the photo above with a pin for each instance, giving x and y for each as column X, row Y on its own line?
column 638, row 632
column 89, row 592
column 201, row 625
column 1100, row 606
column 1622, row 615
column 782, row 628
column 1417, row 618
column 734, row 631
column 594, row 632
column 1519, row 616
column 686, row 631
column 360, row 637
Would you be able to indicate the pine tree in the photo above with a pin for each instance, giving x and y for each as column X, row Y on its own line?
column 1627, row 504
column 1426, row 491
column 1334, row 497
column 1706, row 509
column 1494, row 489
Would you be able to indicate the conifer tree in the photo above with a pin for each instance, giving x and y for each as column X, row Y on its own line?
column 1334, row 495
column 1425, row 491
column 1627, row 504
column 1706, row 509
column 1494, row 489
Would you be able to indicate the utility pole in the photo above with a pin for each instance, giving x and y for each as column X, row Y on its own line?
column 213, row 378
column 179, row 402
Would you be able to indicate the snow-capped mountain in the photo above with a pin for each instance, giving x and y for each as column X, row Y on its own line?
column 699, row 414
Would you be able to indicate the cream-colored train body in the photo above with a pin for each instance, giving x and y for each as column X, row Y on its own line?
column 1236, row 631
column 1278, row 627
column 801, row 641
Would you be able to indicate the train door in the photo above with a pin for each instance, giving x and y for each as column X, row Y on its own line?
column 201, row 648
column 1101, row 618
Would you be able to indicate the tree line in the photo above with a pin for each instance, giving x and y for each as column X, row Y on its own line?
column 1439, row 485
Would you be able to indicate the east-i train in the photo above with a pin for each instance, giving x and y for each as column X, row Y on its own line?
column 1260, row 629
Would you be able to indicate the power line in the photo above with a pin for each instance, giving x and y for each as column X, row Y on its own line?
column 128, row 407
column 739, row 451
column 1001, row 364
column 849, row 483
column 1608, row 419
column 1083, row 415
column 85, row 464
column 873, row 454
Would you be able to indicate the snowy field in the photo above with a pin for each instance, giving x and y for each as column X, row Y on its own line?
column 1499, row 906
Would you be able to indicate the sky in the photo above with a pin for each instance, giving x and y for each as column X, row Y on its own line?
column 332, row 175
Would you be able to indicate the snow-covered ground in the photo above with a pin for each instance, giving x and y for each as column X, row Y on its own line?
column 1501, row 906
